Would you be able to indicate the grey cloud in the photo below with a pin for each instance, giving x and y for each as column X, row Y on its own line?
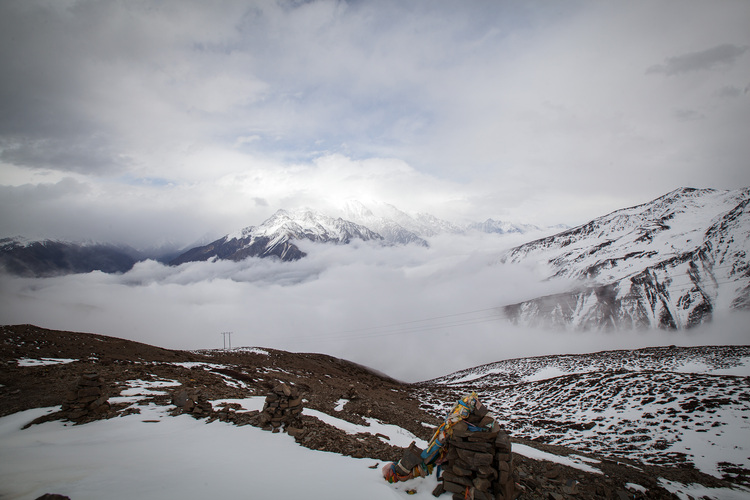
column 688, row 115
column 721, row 55
column 92, row 154
column 728, row 91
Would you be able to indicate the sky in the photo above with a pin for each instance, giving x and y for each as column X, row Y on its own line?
column 156, row 123
column 152, row 122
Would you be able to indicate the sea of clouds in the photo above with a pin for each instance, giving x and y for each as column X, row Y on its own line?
column 411, row 312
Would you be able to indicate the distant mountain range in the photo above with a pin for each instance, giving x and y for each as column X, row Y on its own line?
column 52, row 258
column 667, row 263
column 381, row 222
column 277, row 237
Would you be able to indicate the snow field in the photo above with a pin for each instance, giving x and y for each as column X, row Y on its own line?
column 152, row 455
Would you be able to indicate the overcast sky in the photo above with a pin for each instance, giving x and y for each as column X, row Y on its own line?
column 166, row 120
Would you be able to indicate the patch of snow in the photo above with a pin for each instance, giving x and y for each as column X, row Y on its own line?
column 196, row 364
column 138, row 389
column 586, row 459
column 251, row 350
column 24, row 362
column 545, row 373
column 636, row 487
column 148, row 387
column 182, row 456
column 690, row 491
column 340, row 404
column 570, row 461
column 247, row 404
column 693, row 366
column 397, row 436
column 741, row 370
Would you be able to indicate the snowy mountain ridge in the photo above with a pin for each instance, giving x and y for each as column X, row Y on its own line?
column 628, row 240
column 713, row 360
column 668, row 263
column 276, row 236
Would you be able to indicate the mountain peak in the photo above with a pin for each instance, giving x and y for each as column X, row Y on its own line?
column 275, row 237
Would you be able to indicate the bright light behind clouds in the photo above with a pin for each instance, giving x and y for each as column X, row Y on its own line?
column 139, row 120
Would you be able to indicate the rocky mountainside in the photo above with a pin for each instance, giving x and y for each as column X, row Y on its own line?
column 276, row 237
column 52, row 258
column 670, row 405
column 644, row 424
column 667, row 263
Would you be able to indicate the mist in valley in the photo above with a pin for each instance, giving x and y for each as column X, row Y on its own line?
column 411, row 312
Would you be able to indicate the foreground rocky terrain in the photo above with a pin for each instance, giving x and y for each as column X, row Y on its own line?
column 576, row 435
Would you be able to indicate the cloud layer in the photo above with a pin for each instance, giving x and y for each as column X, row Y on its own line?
column 411, row 312
column 142, row 116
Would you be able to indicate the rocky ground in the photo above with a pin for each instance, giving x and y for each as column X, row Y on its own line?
column 322, row 382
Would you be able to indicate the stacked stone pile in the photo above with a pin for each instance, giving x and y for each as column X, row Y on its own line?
column 282, row 409
column 88, row 401
column 479, row 464
column 192, row 402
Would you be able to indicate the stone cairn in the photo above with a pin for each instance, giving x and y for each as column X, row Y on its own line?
column 282, row 409
column 193, row 402
column 479, row 464
column 88, row 401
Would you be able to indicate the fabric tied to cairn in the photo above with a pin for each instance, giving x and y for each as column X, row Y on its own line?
column 420, row 463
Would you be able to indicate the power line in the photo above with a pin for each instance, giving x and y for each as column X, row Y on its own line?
column 227, row 335
column 413, row 326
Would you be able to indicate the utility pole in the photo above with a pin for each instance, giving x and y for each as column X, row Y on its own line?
column 227, row 334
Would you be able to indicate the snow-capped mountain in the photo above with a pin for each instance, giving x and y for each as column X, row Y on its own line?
column 24, row 257
column 503, row 227
column 667, row 263
column 275, row 237
column 397, row 226
column 391, row 230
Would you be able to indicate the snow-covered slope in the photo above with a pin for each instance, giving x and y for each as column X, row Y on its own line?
column 276, row 236
column 668, row 263
column 668, row 405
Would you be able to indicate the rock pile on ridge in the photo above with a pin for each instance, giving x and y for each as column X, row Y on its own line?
column 88, row 400
column 479, row 464
column 192, row 402
column 282, row 409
